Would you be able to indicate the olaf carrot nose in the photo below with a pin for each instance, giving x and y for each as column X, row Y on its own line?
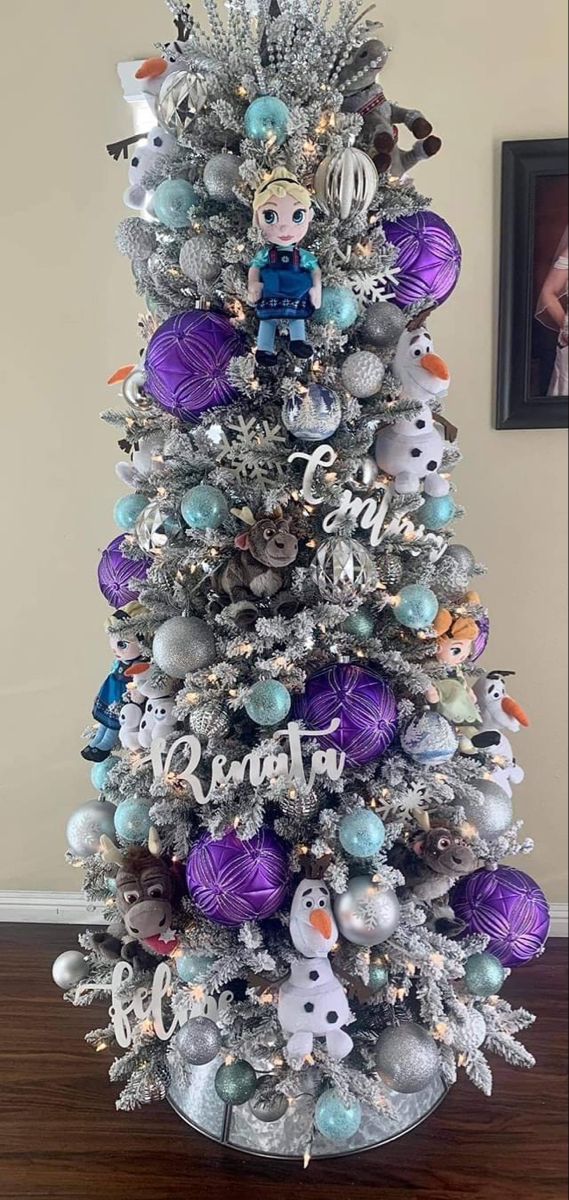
column 153, row 68
column 515, row 710
column 322, row 922
column 435, row 366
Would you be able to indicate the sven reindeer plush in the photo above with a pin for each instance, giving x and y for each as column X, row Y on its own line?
column 434, row 860
column 264, row 551
column 146, row 891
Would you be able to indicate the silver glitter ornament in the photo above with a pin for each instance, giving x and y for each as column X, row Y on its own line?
column 463, row 557
column 492, row 815
column 86, row 826
column 200, row 261
column 407, row 1058
column 345, row 183
column 383, row 325
column 267, row 1104
column 362, row 374
column 135, row 238
column 155, row 527
column 342, row 568
column 236, row 1082
column 469, row 1034
column 69, row 969
column 483, row 974
column 183, row 644
column 182, row 96
column 199, row 1041
column 221, row 176
column 209, row 721
column 367, row 913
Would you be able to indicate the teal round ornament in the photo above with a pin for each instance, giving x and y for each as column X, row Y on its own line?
column 236, row 1083
column 132, row 822
column 360, row 624
column 100, row 771
column 204, row 507
column 378, row 976
column 173, row 202
column 268, row 702
column 416, row 606
column 361, row 833
column 267, row 120
column 127, row 511
column 339, row 307
column 193, row 967
column 335, row 1119
column 436, row 512
column 483, row 975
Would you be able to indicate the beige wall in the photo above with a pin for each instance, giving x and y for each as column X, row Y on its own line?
column 483, row 73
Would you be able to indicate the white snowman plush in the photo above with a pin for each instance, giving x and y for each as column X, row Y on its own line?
column 158, row 144
column 153, row 72
column 158, row 720
column 498, row 709
column 130, row 717
column 143, row 460
column 312, row 1002
column 412, row 450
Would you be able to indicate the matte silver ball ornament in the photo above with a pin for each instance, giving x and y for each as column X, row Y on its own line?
column 345, row 183
column 199, row 1041
column 221, row 176
column 491, row 815
column 86, row 826
column 362, row 374
column 183, row 644
column 383, row 325
column 182, row 96
column 407, row 1058
column 367, row 913
column 69, row 969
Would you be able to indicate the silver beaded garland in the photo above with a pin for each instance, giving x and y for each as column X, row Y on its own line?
column 183, row 95
column 209, row 721
column 367, row 913
column 362, row 374
column 407, row 1058
column 183, row 644
column 221, row 176
column 86, row 826
column 199, row 1041
column 491, row 815
column 383, row 325
column 69, row 969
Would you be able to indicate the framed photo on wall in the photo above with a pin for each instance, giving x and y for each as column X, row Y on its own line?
column 533, row 349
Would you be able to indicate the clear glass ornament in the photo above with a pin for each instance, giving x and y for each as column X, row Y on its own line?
column 342, row 569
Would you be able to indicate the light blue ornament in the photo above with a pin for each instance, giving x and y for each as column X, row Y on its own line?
column 416, row 606
column 436, row 512
column 127, row 511
column 100, row 771
column 193, row 967
column 268, row 702
column 378, row 976
column 204, row 507
column 360, row 624
column 361, row 833
column 173, row 202
column 335, row 1119
column 483, row 975
column 132, row 822
column 267, row 119
column 339, row 307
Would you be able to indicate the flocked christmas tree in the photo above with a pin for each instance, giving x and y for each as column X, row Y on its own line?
column 306, row 782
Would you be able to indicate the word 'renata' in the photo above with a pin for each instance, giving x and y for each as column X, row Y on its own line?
column 257, row 767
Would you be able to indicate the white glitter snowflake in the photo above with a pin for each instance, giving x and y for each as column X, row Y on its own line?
column 252, row 455
column 404, row 804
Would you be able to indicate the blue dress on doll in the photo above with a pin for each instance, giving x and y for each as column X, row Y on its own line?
column 286, row 275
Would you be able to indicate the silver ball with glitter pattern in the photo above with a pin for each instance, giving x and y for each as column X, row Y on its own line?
column 86, row 826
column 200, row 261
column 491, row 814
column 221, row 176
column 407, row 1058
column 367, row 913
column 362, row 374
column 199, row 1041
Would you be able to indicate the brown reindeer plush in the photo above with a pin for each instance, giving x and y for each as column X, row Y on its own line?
column 147, row 889
column 434, row 860
column 265, row 549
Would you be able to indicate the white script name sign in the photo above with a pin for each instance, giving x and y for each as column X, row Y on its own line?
column 148, row 1005
column 258, row 768
column 369, row 512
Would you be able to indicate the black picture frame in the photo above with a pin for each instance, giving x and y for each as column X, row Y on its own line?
column 523, row 165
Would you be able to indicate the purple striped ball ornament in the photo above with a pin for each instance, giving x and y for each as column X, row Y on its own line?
column 507, row 906
column 231, row 881
column 429, row 259
column 364, row 703
column 186, row 363
column 121, row 578
column 481, row 642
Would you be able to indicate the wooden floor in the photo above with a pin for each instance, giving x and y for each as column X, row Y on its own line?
column 61, row 1138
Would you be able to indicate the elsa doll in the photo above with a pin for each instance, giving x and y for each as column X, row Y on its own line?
column 552, row 312
column 285, row 282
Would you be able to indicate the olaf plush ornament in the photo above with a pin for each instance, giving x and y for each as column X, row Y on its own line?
column 149, row 713
column 159, row 144
column 143, row 460
column 412, row 449
column 499, row 712
column 312, row 1002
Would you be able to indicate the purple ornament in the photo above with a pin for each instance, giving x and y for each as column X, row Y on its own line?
column 364, row 703
column 429, row 258
column 232, row 881
column 117, row 574
column 186, row 363
column 483, row 638
column 509, row 907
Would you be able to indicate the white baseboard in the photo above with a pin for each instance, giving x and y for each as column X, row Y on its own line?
column 70, row 908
